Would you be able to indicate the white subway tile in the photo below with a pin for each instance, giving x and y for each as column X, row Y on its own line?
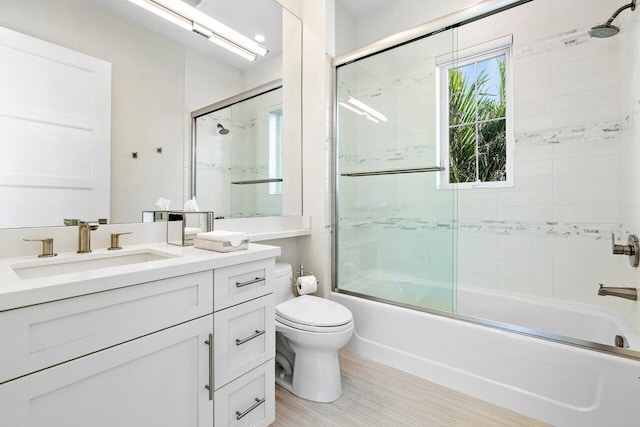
column 609, row 215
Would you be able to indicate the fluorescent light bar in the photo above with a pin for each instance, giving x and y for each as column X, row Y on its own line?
column 164, row 13
column 366, row 108
column 355, row 110
column 192, row 19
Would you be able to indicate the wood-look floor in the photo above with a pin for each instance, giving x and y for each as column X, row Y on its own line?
column 377, row 395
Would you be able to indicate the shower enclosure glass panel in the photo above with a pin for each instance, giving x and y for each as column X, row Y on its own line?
column 395, row 228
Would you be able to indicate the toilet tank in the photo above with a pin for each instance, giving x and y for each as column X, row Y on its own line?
column 284, row 282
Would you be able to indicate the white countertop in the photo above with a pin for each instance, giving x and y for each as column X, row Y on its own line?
column 16, row 292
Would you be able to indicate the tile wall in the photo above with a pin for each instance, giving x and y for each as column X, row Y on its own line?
column 576, row 103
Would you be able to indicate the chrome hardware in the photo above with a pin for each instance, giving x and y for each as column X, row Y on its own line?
column 249, row 338
column 257, row 181
column 396, row 171
column 209, row 387
column 631, row 249
column 47, row 247
column 627, row 293
column 301, row 272
column 249, row 282
column 619, row 341
column 84, row 236
column 115, row 241
column 240, row 415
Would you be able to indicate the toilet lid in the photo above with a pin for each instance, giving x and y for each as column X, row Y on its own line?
column 313, row 311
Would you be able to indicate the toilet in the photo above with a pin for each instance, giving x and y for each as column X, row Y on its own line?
column 309, row 332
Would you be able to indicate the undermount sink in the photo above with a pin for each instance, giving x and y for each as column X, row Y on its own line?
column 85, row 262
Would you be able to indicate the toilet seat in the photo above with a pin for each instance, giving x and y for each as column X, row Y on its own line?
column 314, row 314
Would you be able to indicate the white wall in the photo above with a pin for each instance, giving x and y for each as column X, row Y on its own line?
column 315, row 250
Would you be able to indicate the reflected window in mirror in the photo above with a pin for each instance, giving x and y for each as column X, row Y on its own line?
column 275, row 150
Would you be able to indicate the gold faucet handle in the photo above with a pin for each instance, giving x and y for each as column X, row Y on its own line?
column 115, row 240
column 47, row 247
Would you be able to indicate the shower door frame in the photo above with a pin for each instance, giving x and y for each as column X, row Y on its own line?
column 451, row 21
column 244, row 96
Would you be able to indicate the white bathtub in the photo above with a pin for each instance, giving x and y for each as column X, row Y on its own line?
column 579, row 321
column 553, row 382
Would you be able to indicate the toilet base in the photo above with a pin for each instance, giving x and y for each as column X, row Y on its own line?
column 312, row 360
column 316, row 375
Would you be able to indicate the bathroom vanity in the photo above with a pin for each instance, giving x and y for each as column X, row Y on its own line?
column 150, row 336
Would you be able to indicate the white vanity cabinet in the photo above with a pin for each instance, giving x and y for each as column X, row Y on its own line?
column 244, row 344
column 155, row 380
column 152, row 354
column 134, row 356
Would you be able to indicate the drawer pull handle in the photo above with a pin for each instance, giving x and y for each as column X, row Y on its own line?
column 240, row 415
column 209, row 387
column 249, row 282
column 249, row 338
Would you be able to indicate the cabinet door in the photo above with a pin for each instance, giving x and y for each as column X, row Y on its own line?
column 157, row 380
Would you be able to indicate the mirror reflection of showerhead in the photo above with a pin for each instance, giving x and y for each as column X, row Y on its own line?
column 608, row 29
column 222, row 130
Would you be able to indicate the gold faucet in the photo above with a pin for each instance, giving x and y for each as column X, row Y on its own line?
column 84, row 236
column 84, row 233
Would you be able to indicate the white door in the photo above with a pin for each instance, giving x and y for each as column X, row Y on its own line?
column 55, row 133
column 158, row 380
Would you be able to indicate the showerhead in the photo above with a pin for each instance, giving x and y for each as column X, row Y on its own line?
column 603, row 31
column 222, row 130
column 607, row 29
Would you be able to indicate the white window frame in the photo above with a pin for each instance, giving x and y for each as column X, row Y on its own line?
column 275, row 149
column 460, row 58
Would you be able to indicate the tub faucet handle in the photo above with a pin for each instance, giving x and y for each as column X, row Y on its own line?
column 631, row 249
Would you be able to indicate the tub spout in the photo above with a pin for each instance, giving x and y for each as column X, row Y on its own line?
column 628, row 293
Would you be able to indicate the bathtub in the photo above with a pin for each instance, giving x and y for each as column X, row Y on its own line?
column 557, row 383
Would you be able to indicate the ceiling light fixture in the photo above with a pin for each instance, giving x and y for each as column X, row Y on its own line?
column 259, row 38
column 193, row 20
column 366, row 108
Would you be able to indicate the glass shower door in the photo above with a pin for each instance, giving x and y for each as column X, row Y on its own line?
column 395, row 228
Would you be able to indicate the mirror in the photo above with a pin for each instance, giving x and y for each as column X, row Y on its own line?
column 238, row 145
column 160, row 73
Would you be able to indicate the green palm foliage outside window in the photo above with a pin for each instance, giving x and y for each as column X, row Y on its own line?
column 477, row 121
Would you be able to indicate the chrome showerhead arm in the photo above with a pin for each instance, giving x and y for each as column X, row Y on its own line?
column 631, row 6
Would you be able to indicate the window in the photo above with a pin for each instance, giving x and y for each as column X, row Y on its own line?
column 275, row 150
column 476, row 124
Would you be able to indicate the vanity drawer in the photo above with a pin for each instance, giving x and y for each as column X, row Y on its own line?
column 43, row 335
column 247, row 401
column 238, row 283
column 244, row 338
